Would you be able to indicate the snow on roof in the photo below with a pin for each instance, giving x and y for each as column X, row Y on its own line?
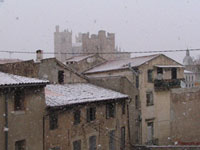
column 78, row 58
column 186, row 71
column 122, row 63
column 5, row 61
column 68, row 94
column 169, row 66
column 13, row 80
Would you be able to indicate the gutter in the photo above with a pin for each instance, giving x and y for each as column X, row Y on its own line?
column 6, row 120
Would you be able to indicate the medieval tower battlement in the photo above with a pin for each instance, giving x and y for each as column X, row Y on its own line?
column 102, row 43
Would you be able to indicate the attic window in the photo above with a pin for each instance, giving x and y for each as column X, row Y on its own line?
column 61, row 77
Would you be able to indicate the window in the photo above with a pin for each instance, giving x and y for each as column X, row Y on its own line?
column 150, row 75
column 61, row 77
column 159, row 70
column 174, row 73
column 53, row 121
column 136, row 102
column 77, row 145
column 150, row 131
column 19, row 100
column 110, row 110
column 91, row 114
column 77, row 115
column 112, row 140
column 122, row 145
column 55, row 148
column 20, row 145
column 123, row 107
column 137, row 81
column 92, row 143
column 149, row 98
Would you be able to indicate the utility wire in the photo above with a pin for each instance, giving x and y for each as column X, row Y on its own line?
column 136, row 52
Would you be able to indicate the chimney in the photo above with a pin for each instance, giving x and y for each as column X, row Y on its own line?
column 57, row 28
column 39, row 55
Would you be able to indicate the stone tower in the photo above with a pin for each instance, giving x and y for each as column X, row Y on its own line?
column 62, row 44
column 100, row 43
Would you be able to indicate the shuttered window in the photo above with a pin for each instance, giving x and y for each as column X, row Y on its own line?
column 92, row 143
column 112, row 140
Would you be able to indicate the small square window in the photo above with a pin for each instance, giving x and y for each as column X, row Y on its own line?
column 91, row 114
column 77, row 115
column 20, row 145
column 53, row 121
column 110, row 110
column 149, row 98
column 19, row 100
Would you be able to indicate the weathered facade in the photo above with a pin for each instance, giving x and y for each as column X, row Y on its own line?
column 185, row 116
column 85, row 62
column 90, row 120
column 50, row 69
column 153, row 76
column 22, row 103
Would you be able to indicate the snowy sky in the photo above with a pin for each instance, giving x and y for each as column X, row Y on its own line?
column 140, row 25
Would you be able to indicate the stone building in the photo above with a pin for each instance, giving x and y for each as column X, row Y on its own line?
column 50, row 69
column 190, row 80
column 85, row 62
column 102, row 43
column 153, row 76
column 84, row 116
column 22, row 103
column 185, row 114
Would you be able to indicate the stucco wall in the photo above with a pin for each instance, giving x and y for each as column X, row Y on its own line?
column 185, row 114
column 27, row 124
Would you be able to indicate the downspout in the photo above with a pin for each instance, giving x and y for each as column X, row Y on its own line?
column 129, row 136
column 6, row 120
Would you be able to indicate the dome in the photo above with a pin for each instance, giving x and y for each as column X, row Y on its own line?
column 187, row 59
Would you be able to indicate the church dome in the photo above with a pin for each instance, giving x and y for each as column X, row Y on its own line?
column 187, row 59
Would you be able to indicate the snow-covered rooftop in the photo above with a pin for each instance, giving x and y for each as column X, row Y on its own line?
column 68, row 94
column 187, row 71
column 122, row 63
column 78, row 58
column 12, row 80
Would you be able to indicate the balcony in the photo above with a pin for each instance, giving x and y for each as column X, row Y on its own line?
column 166, row 84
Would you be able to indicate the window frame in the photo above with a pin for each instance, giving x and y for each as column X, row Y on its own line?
column 110, row 110
column 77, row 142
column 61, row 76
column 91, row 114
column 77, row 117
column 20, row 145
column 149, row 98
column 53, row 121
column 19, row 100
column 150, row 75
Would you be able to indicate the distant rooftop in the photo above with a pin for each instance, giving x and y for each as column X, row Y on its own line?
column 14, row 80
column 122, row 63
column 69, row 94
column 5, row 61
column 79, row 58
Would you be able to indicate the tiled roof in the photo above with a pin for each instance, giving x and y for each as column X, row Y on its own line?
column 69, row 94
column 122, row 63
column 14, row 80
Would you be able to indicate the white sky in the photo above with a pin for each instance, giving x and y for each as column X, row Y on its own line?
column 140, row 25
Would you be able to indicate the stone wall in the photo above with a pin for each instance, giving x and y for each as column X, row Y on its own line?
column 123, row 85
column 67, row 132
column 185, row 112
